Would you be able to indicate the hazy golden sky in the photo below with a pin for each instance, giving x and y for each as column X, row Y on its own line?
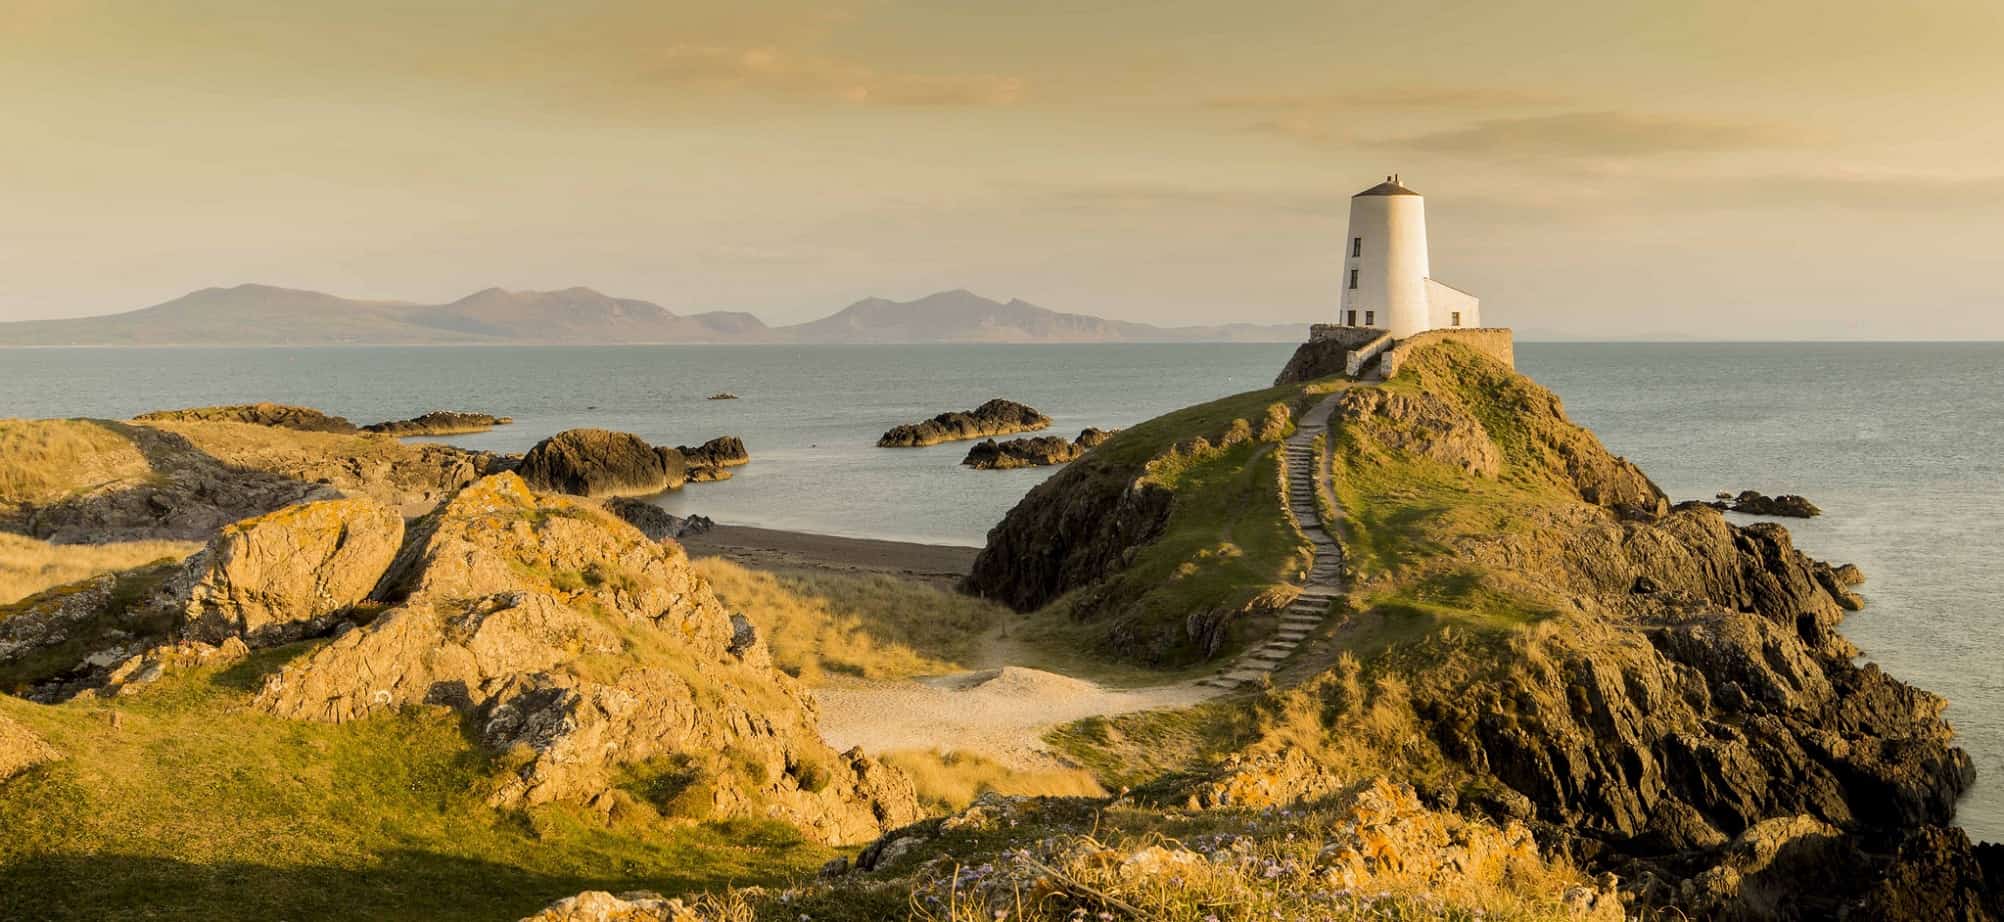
column 1614, row 168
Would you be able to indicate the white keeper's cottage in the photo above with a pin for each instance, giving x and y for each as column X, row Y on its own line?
column 1387, row 282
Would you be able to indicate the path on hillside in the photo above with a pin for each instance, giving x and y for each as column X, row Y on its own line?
column 1001, row 710
column 1305, row 474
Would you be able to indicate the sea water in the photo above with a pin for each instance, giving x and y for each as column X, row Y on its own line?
column 1902, row 445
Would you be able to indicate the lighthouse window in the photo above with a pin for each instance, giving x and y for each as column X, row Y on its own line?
column 1353, row 279
column 1454, row 319
column 1356, row 247
column 1370, row 318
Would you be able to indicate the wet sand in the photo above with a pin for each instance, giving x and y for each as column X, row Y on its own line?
column 771, row 549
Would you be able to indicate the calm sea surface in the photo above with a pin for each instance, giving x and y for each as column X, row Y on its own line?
column 1901, row 444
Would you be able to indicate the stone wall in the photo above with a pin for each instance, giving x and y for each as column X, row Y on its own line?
column 1497, row 343
column 1344, row 336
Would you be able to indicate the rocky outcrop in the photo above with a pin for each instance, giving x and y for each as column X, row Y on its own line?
column 65, row 640
column 996, row 417
column 21, row 749
column 110, row 481
column 439, row 422
column 600, row 906
column 1032, row 452
column 722, row 395
column 1072, row 530
column 571, row 638
column 276, row 415
column 713, row 459
column 1753, row 502
column 654, row 521
column 600, row 462
column 289, row 574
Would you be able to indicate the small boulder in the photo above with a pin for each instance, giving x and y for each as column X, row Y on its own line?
column 1093, row 438
column 21, row 749
column 600, row 906
column 599, row 462
column 722, row 395
column 722, row 451
column 286, row 575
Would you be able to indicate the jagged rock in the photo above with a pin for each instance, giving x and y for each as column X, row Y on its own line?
column 568, row 636
column 722, row 395
column 1787, row 505
column 21, row 749
column 62, row 641
column 599, row 462
column 1261, row 782
column 1091, row 437
column 140, row 670
column 1031, row 452
column 722, row 451
column 277, row 415
column 439, row 422
column 286, row 575
column 654, row 521
column 600, row 906
column 996, row 417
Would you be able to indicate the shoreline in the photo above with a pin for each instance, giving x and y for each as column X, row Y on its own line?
column 779, row 549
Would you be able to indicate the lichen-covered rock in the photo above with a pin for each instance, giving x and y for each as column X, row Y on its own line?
column 439, row 422
column 996, row 417
column 276, row 415
column 21, row 749
column 600, row 462
column 62, row 641
column 571, row 638
column 600, row 906
column 287, row 574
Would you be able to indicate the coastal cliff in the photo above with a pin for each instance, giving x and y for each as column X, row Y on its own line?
column 1534, row 634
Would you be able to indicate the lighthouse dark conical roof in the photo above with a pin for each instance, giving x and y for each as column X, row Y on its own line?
column 1390, row 186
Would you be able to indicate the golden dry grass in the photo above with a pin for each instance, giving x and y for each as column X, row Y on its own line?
column 948, row 781
column 874, row 626
column 47, row 459
column 28, row 566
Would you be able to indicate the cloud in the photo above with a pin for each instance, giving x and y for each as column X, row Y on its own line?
column 1598, row 135
column 1427, row 98
column 781, row 74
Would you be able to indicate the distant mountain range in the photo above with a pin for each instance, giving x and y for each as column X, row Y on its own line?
column 262, row 315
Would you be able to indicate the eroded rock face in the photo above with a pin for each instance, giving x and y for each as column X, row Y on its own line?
column 277, row 415
column 286, row 575
column 439, row 422
column 599, row 462
column 996, row 417
column 574, row 639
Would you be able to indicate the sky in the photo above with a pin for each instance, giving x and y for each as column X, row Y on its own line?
column 1621, row 169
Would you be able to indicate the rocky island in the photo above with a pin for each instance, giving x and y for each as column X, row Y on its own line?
column 1500, row 674
column 439, row 422
column 996, row 417
column 1032, row 452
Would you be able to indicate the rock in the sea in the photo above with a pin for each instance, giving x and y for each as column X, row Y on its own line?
column 1029, row 452
column 722, row 395
column 1091, row 437
column 286, row 575
column 722, row 451
column 1753, row 502
column 600, row 462
column 439, row 422
column 1040, row 451
column 996, row 417
column 276, row 415
column 569, row 637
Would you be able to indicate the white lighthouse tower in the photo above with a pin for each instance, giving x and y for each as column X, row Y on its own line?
column 1387, row 282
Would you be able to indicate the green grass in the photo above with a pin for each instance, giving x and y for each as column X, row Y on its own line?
column 121, row 615
column 183, row 802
